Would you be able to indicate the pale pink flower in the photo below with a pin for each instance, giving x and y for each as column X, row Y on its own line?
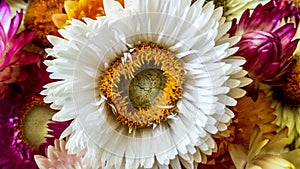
column 58, row 158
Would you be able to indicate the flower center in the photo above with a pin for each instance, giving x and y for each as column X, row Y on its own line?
column 290, row 92
column 35, row 115
column 143, row 89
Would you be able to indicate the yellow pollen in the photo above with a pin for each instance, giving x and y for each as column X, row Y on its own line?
column 34, row 116
column 144, row 89
column 38, row 18
column 291, row 90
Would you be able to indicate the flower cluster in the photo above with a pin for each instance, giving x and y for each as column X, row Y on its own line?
column 132, row 84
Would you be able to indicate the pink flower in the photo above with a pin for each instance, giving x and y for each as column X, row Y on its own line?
column 58, row 158
column 12, row 57
column 290, row 10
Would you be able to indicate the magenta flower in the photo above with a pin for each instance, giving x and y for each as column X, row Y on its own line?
column 290, row 10
column 26, row 128
column 15, row 152
column 268, row 53
column 265, row 44
column 12, row 57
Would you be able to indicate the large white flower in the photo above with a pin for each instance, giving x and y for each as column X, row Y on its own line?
column 146, row 85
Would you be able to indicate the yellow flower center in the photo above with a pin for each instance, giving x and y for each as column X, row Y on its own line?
column 38, row 18
column 143, row 90
column 35, row 115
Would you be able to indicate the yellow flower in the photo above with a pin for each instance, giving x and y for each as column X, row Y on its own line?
column 265, row 153
column 249, row 113
column 271, row 161
column 78, row 10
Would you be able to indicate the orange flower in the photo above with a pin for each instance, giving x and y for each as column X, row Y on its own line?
column 38, row 19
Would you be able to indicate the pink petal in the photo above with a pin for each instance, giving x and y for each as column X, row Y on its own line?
column 5, row 16
column 14, row 25
column 286, row 33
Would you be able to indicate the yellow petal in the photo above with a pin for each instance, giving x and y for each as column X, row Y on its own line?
column 59, row 20
column 292, row 156
column 273, row 162
column 238, row 155
column 70, row 6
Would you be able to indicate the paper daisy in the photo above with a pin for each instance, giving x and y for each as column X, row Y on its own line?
column 249, row 114
column 265, row 44
column 58, row 158
column 23, row 123
column 78, row 10
column 10, row 156
column 40, row 22
column 23, row 131
column 12, row 58
column 146, row 85
column 272, row 49
column 20, row 137
column 235, row 8
column 265, row 153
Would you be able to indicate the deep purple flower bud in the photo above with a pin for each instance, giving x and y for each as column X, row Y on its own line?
column 268, row 54
column 267, row 42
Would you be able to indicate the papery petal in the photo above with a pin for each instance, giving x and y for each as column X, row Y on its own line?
column 5, row 16
column 14, row 25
